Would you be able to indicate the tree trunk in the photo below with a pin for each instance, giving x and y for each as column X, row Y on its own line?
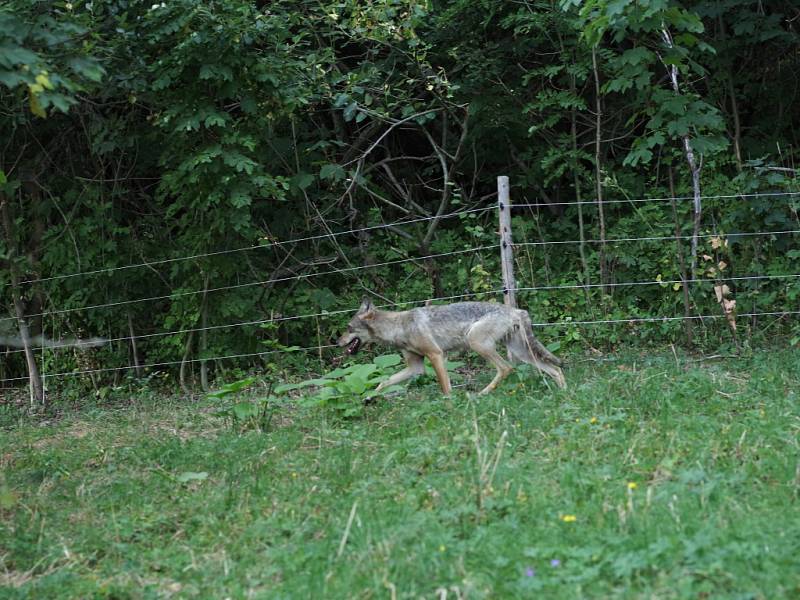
column 604, row 279
column 578, row 195
column 441, row 153
column 737, row 124
column 694, row 167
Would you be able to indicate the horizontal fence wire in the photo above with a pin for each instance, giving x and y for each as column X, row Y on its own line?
column 278, row 243
column 660, row 238
column 395, row 262
column 781, row 313
column 252, row 283
column 273, row 320
column 171, row 363
column 628, row 320
column 54, row 345
column 271, row 244
column 594, row 202
column 660, row 282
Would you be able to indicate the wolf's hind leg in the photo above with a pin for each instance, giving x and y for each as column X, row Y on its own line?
column 481, row 339
column 413, row 368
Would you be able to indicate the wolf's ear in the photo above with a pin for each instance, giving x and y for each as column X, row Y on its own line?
column 367, row 309
column 366, row 305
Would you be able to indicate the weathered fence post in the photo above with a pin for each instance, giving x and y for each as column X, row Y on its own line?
column 506, row 245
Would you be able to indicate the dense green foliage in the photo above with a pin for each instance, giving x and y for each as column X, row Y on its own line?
column 681, row 478
column 133, row 133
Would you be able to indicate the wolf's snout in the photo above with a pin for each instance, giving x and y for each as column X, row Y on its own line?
column 350, row 342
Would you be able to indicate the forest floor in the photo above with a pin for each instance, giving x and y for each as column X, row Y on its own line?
column 650, row 476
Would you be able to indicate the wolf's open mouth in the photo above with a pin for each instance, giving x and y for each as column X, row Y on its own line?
column 353, row 346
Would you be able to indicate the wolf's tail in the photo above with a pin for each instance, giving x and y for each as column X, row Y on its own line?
column 526, row 348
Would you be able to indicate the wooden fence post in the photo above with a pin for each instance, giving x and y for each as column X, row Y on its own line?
column 506, row 245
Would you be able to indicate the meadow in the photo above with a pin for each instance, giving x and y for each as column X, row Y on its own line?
column 650, row 476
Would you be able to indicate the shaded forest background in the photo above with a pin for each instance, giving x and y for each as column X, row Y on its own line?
column 134, row 133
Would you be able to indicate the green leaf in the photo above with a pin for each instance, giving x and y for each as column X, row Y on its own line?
column 88, row 68
column 332, row 171
column 287, row 387
column 638, row 154
column 350, row 111
column 232, row 388
column 636, row 56
column 15, row 55
column 248, row 104
column 245, row 410
column 239, row 161
column 616, row 7
column 240, row 199
column 214, row 119
column 336, row 373
column 355, row 384
column 12, row 79
column 61, row 101
column 387, row 360
column 302, row 180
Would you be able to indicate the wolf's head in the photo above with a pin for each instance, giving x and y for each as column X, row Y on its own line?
column 359, row 329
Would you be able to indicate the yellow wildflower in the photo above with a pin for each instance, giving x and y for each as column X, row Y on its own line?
column 569, row 518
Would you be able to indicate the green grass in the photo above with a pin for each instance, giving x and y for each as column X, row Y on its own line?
column 683, row 480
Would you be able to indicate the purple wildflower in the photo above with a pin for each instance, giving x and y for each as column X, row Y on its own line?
column 555, row 563
column 529, row 572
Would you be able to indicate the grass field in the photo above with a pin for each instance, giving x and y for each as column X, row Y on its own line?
column 649, row 477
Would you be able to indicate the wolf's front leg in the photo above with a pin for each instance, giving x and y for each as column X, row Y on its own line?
column 437, row 360
column 413, row 368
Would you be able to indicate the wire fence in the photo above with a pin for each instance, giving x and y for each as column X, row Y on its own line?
column 55, row 345
column 278, row 243
column 665, row 199
column 268, row 244
column 568, row 323
column 345, row 270
column 350, row 270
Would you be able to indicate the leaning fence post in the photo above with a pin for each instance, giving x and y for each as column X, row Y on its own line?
column 506, row 245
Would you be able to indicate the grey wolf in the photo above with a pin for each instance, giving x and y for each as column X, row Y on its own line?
column 430, row 331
